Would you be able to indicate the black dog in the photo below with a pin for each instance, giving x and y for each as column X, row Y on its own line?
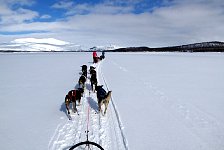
column 82, row 81
column 93, row 80
column 84, row 70
column 71, row 97
column 92, row 70
column 103, row 97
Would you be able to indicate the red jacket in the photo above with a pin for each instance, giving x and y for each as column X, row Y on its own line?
column 94, row 54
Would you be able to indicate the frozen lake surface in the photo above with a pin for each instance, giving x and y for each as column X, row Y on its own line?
column 159, row 101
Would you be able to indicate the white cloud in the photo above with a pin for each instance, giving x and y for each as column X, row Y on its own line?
column 106, row 7
column 98, row 9
column 19, row 2
column 65, row 4
column 179, row 23
column 45, row 16
column 9, row 15
column 18, row 16
column 4, row 10
column 110, row 9
column 125, row 2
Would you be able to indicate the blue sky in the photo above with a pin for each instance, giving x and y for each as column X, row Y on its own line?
column 152, row 23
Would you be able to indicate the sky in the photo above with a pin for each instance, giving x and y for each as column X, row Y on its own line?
column 152, row 23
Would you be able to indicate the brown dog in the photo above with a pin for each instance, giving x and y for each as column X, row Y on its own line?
column 72, row 97
column 103, row 98
column 105, row 101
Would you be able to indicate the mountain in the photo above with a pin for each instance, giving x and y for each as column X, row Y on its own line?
column 213, row 46
column 55, row 45
column 35, row 45
column 103, row 48
column 204, row 46
column 46, row 45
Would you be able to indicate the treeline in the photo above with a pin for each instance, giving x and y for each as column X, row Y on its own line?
column 197, row 47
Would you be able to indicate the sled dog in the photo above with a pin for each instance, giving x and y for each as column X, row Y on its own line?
column 103, row 98
column 72, row 97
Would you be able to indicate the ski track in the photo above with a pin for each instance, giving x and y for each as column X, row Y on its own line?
column 198, row 122
column 105, row 130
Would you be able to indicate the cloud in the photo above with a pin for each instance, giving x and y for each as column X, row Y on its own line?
column 104, row 7
column 193, row 21
column 83, row 9
column 18, row 16
column 65, row 4
column 45, row 16
column 173, row 23
column 18, row 2
column 4, row 10
column 10, row 14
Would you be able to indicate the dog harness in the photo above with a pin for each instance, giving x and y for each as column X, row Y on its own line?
column 101, row 93
column 72, row 95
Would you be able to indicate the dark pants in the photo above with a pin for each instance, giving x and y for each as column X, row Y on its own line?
column 95, row 59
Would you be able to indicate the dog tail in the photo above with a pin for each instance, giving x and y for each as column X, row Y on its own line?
column 108, row 97
column 107, row 100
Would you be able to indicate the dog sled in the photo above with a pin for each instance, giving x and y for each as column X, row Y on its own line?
column 88, row 144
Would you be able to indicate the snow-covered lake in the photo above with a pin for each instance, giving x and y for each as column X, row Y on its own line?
column 160, row 101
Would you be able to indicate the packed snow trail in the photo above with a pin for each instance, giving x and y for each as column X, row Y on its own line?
column 114, row 114
column 106, row 130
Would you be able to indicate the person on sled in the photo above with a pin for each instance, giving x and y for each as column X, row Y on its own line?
column 95, row 57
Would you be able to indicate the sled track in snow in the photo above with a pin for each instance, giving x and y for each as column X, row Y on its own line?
column 106, row 130
column 207, row 128
column 198, row 122
column 115, row 112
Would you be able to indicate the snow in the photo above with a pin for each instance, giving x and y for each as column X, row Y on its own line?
column 159, row 101
column 40, row 41
column 44, row 44
column 107, row 47
column 48, row 44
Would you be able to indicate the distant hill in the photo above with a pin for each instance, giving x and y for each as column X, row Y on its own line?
column 55, row 45
column 38, row 45
column 48, row 45
column 214, row 46
column 103, row 48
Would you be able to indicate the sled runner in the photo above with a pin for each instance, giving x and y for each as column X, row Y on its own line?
column 87, row 144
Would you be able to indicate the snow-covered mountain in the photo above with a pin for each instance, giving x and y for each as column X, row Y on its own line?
column 40, row 41
column 101, row 48
column 48, row 44
column 55, row 45
column 35, row 44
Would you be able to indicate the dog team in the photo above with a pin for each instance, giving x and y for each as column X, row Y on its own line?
column 76, row 95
